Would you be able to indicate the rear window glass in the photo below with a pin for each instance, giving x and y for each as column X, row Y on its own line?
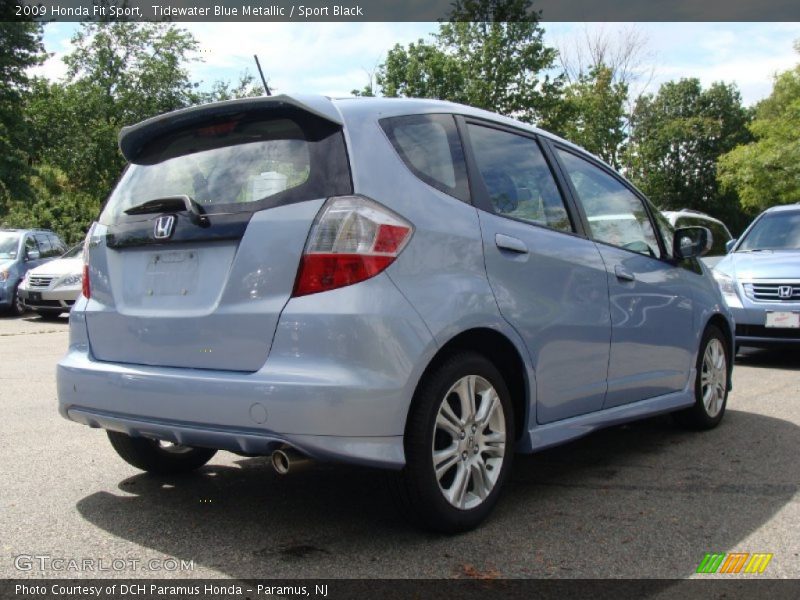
column 431, row 148
column 238, row 165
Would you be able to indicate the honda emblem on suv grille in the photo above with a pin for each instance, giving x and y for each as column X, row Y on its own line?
column 164, row 226
column 785, row 291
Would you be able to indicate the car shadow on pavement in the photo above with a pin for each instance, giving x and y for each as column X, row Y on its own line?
column 641, row 500
column 787, row 357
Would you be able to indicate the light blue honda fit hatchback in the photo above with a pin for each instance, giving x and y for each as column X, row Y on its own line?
column 408, row 284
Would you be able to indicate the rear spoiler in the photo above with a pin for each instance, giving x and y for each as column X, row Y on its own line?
column 134, row 138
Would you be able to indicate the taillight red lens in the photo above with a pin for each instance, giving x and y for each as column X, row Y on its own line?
column 86, row 288
column 353, row 239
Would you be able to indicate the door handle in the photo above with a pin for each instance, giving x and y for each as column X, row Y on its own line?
column 623, row 273
column 512, row 244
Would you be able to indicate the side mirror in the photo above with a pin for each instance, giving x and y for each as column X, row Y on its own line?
column 32, row 255
column 730, row 244
column 691, row 242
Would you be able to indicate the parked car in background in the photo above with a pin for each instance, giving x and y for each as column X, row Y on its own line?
column 20, row 251
column 721, row 235
column 52, row 288
column 409, row 284
column 760, row 279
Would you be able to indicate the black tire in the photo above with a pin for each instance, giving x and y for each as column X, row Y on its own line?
column 148, row 455
column 699, row 416
column 416, row 487
column 48, row 315
column 17, row 307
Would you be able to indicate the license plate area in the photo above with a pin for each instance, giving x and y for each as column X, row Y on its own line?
column 35, row 296
column 171, row 273
column 783, row 320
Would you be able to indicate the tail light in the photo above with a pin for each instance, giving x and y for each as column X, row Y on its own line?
column 353, row 239
column 86, row 288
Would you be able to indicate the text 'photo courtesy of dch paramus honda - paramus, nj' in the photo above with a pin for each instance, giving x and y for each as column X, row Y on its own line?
column 407, row 284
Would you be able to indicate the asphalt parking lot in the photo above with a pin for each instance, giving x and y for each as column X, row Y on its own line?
column 644, row 500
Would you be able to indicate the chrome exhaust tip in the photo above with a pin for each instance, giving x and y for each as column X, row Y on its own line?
column 288, row 459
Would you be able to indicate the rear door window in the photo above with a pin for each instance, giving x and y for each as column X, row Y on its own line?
column 517, row 178
column 429, row 145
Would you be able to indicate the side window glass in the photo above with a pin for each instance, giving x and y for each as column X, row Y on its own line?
column 58, row 246
column 429, row 145
column 45, row 249
column 517, row 177
column 616, row 215
column 720, row 238
column 30, row 244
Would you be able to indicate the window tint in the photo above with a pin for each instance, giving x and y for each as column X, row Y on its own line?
column 58, row 246
column 430, row 147
column 616, row 215
column 30, row 244
column 45, row 248
column 239, row 165
column 517, row 177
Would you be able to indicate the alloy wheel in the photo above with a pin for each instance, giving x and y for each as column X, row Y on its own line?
column 714, row 377
column 469, row 442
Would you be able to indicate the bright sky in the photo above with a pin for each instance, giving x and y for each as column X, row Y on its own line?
column 334, row 58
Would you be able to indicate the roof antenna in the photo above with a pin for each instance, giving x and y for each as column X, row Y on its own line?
column 260, row 72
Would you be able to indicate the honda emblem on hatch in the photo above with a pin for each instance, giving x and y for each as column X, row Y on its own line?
column 785, row 291
column 164, row 226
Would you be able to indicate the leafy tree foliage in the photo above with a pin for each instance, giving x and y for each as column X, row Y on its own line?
column 20, row 49
column 766, row 171
column 594, row 113
column 492, row 57
column 57, row 204
column 677, row 137
column 118, row 74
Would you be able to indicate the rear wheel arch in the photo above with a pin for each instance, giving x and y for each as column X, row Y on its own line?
column 502, row 353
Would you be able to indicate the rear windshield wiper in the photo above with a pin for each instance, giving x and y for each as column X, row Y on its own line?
column 181, row 202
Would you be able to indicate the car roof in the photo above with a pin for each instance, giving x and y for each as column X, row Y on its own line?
column 133, row 138
column 784, row 208
column 375, row 107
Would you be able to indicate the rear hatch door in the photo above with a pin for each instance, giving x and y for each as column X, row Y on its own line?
column 196, row 251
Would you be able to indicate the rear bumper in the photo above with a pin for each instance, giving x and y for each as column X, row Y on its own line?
column 337, row 384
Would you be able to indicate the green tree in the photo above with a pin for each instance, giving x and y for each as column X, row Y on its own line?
column 57, row 204
column 118, row 74
column 491, row 55
column 766, row 171
column 595, row 117
column 246, row 87
column 20, row 49
column 676, row 139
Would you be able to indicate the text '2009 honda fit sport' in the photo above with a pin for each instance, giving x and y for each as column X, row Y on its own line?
column 407, row 284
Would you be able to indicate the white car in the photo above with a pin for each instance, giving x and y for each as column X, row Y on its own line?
column 52, row 288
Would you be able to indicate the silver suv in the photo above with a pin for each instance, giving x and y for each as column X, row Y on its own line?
column 409, row 284
column 760, row 279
